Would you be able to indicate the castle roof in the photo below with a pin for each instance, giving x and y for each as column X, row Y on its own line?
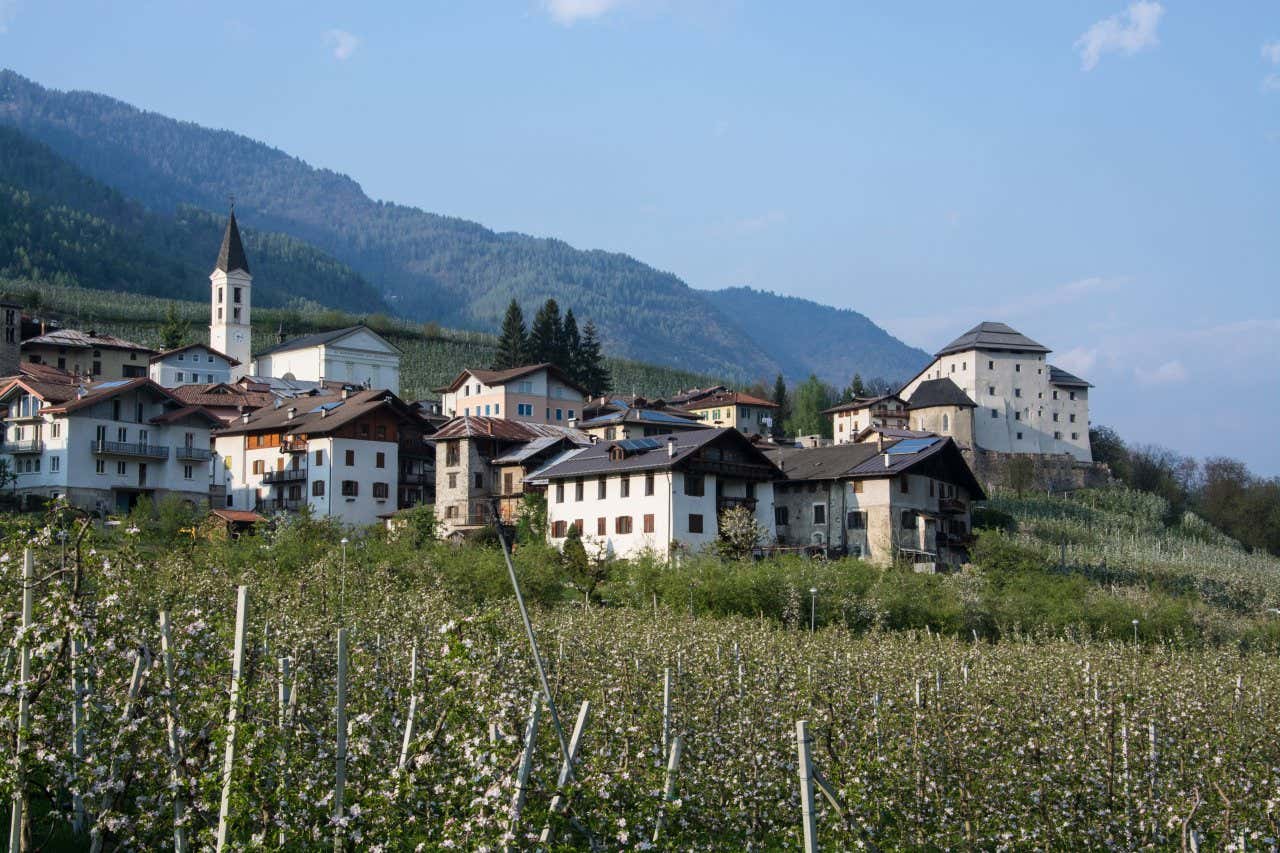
column 939, row 392
column 992, row 336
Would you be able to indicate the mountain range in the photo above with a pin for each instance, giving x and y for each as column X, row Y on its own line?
column 93, row 172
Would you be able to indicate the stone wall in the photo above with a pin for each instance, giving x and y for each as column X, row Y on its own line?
column 1035, row 472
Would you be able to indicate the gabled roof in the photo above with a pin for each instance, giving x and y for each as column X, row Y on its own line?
column 44, row 381
column 652, row 417
column 521, row 454
column 316, row 339
column 860, row 403
column 238, row 516
column 77, row 339
column 1060, row 377
column 940, row 392
column 180, row 414
column 992, row 336
column 682, row 398
column 221, row 395
column 728, row 398
column 100, row 391
column 166, row 353
column 231, row 255
column 318, row 415
column 502, row 377
column 478, row 426
column 930, row 456
column 653, row 455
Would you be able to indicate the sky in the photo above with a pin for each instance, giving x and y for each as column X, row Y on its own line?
column 1103, row 176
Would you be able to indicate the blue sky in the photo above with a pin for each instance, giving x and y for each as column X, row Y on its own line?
column 1101, row 175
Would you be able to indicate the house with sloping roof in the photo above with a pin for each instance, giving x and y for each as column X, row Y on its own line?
column 747, row 413
column 532, row 393
column 479, row 459
column 352, row 455
column 661, row 495
column 1021, row 403
column 849, row 419
column 103, row 445
column 907, row 500
column 354, row 355
column 192, row 364
column 92, row 354
column 618, row 417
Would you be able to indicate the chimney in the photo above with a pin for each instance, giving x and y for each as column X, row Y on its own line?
column 671, row 446
column 292, row 410
column 879, row 442
column 346, row 391
column 244, row 417
column 573, row 423
column 886, row 460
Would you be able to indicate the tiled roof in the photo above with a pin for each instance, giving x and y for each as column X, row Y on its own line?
column 729, row 398
column 502, row 377
column 860, row 403
column 478, row 426
column 653, row 417
column 318, row 415
column 241, row 516
column 83, row 340
column 44, row 381
column 992, row 336
column 939, row 392
column 1060, row 377
column 595, row 459
column 221, row 395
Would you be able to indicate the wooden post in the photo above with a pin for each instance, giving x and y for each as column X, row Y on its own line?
column 175, row 748
column 526, row 764
column 575, row 739
column 24, row 701
column 233, row 712
column 284, row 700
column 669, row 790
column 340, row 757
column 805, row 769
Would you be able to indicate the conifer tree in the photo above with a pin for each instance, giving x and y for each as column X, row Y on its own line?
column 546, row 337
column 593, row 373
column 513, row 344
column 783, row 412
column 572, row 345
column 173, row 333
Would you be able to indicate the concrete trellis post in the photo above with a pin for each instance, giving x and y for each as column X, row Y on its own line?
column 408, row 733
column 340, row 756
column 805, row 771
column 77, row 736
column 24, row 701
column 233, row 712
column 284, row 701
column 526, row 764
column 669, row 790
column 666, row 711
column 175, row 747
column 575, row 739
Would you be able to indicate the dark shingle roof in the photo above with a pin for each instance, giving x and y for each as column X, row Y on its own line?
column 595, row 459
column 861, row 403
column 318, row 415
column 821, row 463
column 992, row 336
column 319, row 338
column 939, row 392
column 502, row 377
column 479, row 426
column 862, row 461
column 231, row 255
column 1060, row 377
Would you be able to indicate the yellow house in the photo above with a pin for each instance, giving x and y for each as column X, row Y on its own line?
column 748, row 414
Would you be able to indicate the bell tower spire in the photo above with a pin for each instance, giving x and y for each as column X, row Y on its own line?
column 231, row 287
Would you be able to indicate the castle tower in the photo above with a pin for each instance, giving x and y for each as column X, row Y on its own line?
column 232, row 286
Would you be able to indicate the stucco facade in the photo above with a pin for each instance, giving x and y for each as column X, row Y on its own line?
column 849, row 419
column 536, row 394
column 356, row 356
column 192, row 365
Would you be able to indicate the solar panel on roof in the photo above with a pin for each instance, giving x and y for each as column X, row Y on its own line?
column 113, row 384
column 325, row 407
column 911, row 445
column 634, row 444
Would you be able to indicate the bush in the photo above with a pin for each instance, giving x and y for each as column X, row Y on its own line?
column 986, row 518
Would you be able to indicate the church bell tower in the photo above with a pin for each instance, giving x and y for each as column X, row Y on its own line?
column 231, row 300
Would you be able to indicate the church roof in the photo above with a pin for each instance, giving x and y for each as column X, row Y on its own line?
column 992, row 336
column 231, row 255
column 320, row 339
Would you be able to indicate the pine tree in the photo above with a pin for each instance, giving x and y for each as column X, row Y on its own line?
column 857, row 388
column 593, row 373
column 572, row 345
column 783, row 411
column 513, row 345
column 546, row 338
column 173, row 333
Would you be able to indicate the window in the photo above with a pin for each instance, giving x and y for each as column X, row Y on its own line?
column 181, row 376
column 1071, row 395
column 570, row 413
column 1017, row 368
column 187, row 472
column 1075, row 436
column 350, row 489
column 908, row 519
column 115, row 410
column 524, row 409
column 991, row 365
column 1055, row 395
column 1072, row 418
column 317, row 488
column 622, row 524
column 559, row 529
column 578, row 489
column 856, row 521
column 602, row 526
column 380, row 491
column 319, row 457
column 991, row 389
column 1057, row 434
column 497, row 408
column 1055, row 417
column 1017, row 392
column 781, row 515
column 508, row 483
column 97, row 368
column 559, row 493
column 695, row 485
column 453, row 479
column 235, row 295
column 1017, row 416
column 995, row 413
column 55, row 464
column 479, row 480
column 602, row 489
column 648, row 484
column 648, row 523
column 577, row 525
column 904, row 484
column 559, row 414
column 946, row 423
column 380, row 460
column 56, row 429
column 452, row 454
column 350, row 458
column 819, row 513
column 259, row 466
column 695, row 522
column 122, row 468
column 1019, row 436
column 380, row 432
column 624, row 487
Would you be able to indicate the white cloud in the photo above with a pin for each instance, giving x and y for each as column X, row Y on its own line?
column 8, row 11
column 1271, row 83
column 1131, row 31
column 1271, row 52
column 344, row 44
column 1166, row 374
column 568, row 12
column 1079, row 361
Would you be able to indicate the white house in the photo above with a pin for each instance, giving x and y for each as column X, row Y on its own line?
column 1021, row 403
column 534, row 393
column 341, row 455
column 356, row 355
column 193, row 364
column 656, row 495
column 104, row 446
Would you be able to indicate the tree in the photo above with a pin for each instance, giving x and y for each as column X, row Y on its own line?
column 175, row 330
column 811, row 398
column 783, row 412
column 740, row 533
column 857, row 388
column 593, row 373
column 546, row 337
column 513, row 344
column 572, row 343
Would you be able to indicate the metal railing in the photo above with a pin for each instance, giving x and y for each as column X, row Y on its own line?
column 285, row 475
column 188, row 453
column 130, row 448
column 415, row 479
column 31, row 445
column 293, row 445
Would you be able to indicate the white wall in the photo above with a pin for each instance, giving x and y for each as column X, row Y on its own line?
column 190, row 367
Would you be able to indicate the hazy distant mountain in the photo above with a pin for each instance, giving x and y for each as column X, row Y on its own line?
column 427, row 266
column 807, row 337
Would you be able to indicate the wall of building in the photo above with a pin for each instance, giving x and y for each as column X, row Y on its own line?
column 10, row 338
column 229, row 320
column 846, row 425
column 953, row 421
column 190, row 367
column 103, row 363
column 549, row 401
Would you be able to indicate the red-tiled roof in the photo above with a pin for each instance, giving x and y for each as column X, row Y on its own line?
column 240, row 516
column 477, row 426
column 729, row 398
column 502, row 377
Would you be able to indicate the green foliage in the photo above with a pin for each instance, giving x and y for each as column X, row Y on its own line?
column 174, row 331
column 808, row 402
column 985, row 517
column 513, row 340
column 740, row 534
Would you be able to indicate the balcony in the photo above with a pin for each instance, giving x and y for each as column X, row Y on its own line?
column 285, row 475
column 724, row 503
column 131, row 449
column 281, row 505
column 952, row 506
column 187, row 453
column 292, row 444
column 900, row 414
column 17, row 448
column 417, row 479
